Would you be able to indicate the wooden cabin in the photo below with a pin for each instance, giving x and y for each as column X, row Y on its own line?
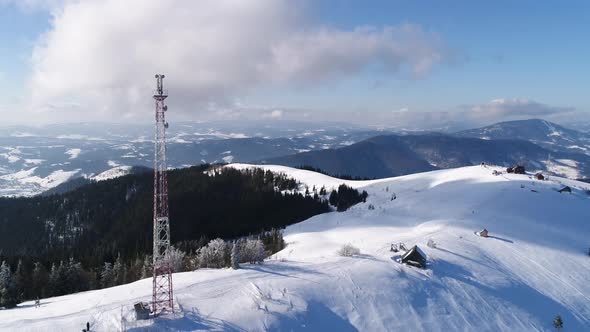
column 414, row 257
column 483, row 233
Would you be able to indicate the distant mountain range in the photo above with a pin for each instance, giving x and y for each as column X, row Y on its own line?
column 543, row 133
column 537, row 144
column 34, row 160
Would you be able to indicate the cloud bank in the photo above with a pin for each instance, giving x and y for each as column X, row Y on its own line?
column 469, row 116
column 102, row 54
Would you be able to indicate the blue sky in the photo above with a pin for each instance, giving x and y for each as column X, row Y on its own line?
column 524, row 49
column 513, row 50
column 18, row 30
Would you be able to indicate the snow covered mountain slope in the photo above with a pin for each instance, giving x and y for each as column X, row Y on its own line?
column 532, row 267
column 112, row 173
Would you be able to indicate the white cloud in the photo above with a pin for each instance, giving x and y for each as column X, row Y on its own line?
column 275, row 114
column 513, row 108
column 102, row 55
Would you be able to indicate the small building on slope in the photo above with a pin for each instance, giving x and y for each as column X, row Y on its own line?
column 483, row 233
column 415, row 257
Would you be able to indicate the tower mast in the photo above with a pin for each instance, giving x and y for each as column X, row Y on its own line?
column 162, row 271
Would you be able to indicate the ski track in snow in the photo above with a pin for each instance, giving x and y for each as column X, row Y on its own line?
column 531, row 268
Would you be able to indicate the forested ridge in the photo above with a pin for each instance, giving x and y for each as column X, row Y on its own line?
column 83, row 233
column 107, row 218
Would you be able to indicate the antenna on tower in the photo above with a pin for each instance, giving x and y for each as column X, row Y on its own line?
column 162, row 270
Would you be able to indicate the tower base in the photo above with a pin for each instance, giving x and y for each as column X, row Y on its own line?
column 162, row 300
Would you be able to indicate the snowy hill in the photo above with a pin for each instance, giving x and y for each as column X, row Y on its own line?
column 532, row 267
column 54, row 154
column 112, row 173
column 544, row 133
column 395, row 155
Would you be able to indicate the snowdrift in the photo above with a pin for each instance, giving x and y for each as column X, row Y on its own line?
column 532, row 266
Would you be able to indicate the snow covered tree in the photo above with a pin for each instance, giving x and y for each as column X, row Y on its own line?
column 251, row 251
column 134, row 269
column 119, row 272
column 57, row 280
column 348, row 250
column 213, row 254
column 20, row 281
column 175, row 257
column 259, row 254
column 53, row 280
column 74, row 278
column 146, row 268
column 235, row 258
column 39, row 280
column 8, row 296
column 558, row 323
column 107, row 276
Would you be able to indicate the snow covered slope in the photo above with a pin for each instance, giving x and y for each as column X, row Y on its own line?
column 112, row 173
column 532, row 267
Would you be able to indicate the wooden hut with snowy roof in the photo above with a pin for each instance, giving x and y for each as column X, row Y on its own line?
column 415, row 257
column 483, row 233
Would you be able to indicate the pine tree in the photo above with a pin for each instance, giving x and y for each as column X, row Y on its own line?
column 8, row 296
column 57, row 280
column 333, row 199
column 146, row 268
column 74, row 278
column 39, row 281
column 53, row 280
column 134, row 270
column 107, row 275
column 235, row 259
column 62, row 286
column 558, row 323
column 118, row 272
column 20, row 281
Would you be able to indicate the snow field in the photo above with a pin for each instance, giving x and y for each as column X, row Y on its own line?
column 532, row 267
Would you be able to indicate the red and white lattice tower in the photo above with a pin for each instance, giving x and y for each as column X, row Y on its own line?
column 162, row 271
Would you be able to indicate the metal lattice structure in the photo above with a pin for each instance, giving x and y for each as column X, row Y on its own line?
column 162, row 271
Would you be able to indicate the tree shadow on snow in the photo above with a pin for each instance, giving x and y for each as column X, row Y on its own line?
column 26, row 306
column 317, row 317
column 188, row 321
column 283, row 270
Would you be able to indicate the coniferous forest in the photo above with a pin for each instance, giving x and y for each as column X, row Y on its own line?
column 100, row 234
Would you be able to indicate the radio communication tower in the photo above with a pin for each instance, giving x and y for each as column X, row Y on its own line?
column 162, row 271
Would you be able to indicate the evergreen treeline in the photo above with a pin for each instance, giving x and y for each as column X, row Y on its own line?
column 338, row 176
column 345, row 197
column 31, row 281
column 111, row 221
column 100, row 235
